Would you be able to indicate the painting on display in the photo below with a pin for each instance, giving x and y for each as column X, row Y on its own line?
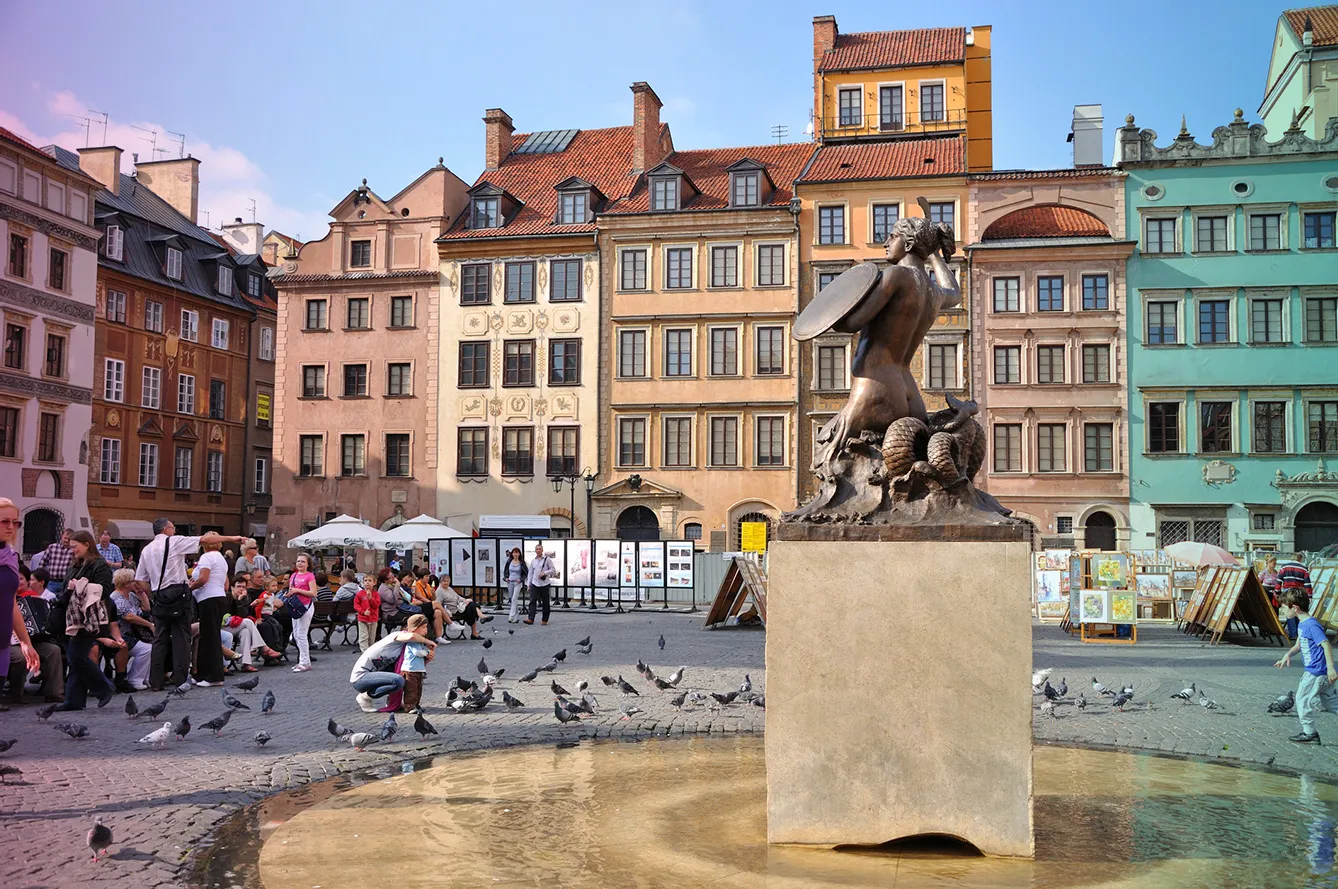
column 1075, row 570
column 651, row 560
column 1180, row 579
column 1111, row 570
column 1051, row 610
column 606, row 563
column 1040, row 561
column 1049, row 586
column 485, row 562
column 1153, row 585
column 1095, row 607
column 462, row 562
column 439, row 557
column 1075, row 603
column 678, row 564
column 578, row 563
column 1057, row 559
column 1122, row 608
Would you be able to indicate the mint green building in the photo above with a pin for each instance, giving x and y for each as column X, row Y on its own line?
column 1233, row 337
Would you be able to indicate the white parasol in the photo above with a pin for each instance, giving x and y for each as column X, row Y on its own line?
column 343, row 531
column 416, row 532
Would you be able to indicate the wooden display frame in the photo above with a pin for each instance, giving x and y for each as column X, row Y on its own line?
column 1324, row 595
column 1102, row 632
column 1230, row 594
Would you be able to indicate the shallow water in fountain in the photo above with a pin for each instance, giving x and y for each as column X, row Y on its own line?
column 687, row 813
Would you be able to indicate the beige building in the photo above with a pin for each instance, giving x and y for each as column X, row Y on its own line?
column 355, row 387
column 699, row 371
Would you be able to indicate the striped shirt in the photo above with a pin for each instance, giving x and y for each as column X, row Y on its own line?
column 1294, row 576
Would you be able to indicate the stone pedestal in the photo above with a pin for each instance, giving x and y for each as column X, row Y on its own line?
column 899, row 685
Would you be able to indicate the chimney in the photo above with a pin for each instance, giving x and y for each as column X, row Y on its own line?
column 104, row 165
column 499, row 129
column 1086, row 135
column 244, row 237
column 824, row 37
column 647, row 151
column 176, row 181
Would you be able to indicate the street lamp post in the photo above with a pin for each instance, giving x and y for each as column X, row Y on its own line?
column 570, row 479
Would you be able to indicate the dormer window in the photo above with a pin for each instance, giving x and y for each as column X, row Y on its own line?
column 174, row 263
column 573, row 208
column 486, row 213
column 746, row 189
column 115, row 242
column 253, row 285
column 664, row 193
column 225, row 280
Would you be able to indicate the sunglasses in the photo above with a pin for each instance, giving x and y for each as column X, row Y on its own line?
column 17, row 523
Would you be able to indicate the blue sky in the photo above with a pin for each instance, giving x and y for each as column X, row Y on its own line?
column 292, row 104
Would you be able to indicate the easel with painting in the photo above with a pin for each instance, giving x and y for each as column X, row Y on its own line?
column 1324, row 595
column 1226, row 595
column 1103, row 597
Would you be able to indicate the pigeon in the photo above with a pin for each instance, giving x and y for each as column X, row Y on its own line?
column 570, row 707
column 361, row 740
column 726, row 699
column 5, row 745
column 262, row 738
column 512, row 702
column 153, row 711
column 388, row 728
column 608, row 680
column 1038, row 678
column 585, row 641
column 1120, row 700
column 1081, row 702
column 7, row 770
column 1185, row 694
column 497, row 675
column 487, row 643
column 216, row 724
column 182, row 728
column 1128, row 689
column 267, row 703
column 747, row 685
column 549, row 667
column 1063, row 688
column 649, row 674
column 589, row 704
column 559, row 690
column 530, row 676
column 1049, row 691
column 585, row 649
column 1283, row 704
column 180, row 690
column 98, row 839
column 677, row 676
column 473, row 701
column 629, row 710
column 422, row 726
column 661, row 642
column 760, row 701
column 73, row 729
column 511, row 632
column 562, row 715
column 677, row 702
column 581, row 686
column 131, row 708
column 1101, row 689
column 233, row 703
column 626, row 687
column 248, row 684
column 337, row 730
column 463, row 684
column 1206, row 702
column 451, row 694
column 640, row 667
column 45, row 713
column 158, row 737
column 483, row 667
column 1048, row 707
column 561, row 655
column 661, row 684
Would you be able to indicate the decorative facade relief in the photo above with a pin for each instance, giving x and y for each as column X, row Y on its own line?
column 473, row 407
column 1237, row 139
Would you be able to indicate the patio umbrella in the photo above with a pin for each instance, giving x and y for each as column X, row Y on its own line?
column 416, row 532
column 1200, row 554
column 343, row 531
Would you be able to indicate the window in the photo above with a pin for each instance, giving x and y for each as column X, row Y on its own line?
column 401, row 311
column 116, row 306
column 1210, row 234
column 632, row 271
column 724, row 441
column 113, row 379
column 724, row 266
column 253, row 285
column 1214, row 321
column 1099, row 447
column 316, row 315
column 110, row 464
column 1050, row 293
column 150, row 393
column 359, row 316
column 678, row 268
column 1095, row 293
column 399, row 379
column 1007, row 365
column 1266, row 321
column 218, row 402
column 631, row 353
column 692, row 531
column 771, row 265
column 213, row 472
column 664, row 193
column 770, row 350
column 9, row 438
column 148, row 465
column 1007, row 447
column 572, row 208
column 831, row 225
column 355, row 381
column 563, row 450
column 313, row 381
column 16, row 346
column 517, row 450
column 724, row 351
column 114, row 243
column 831, row 367
column 943, row 366
column 185, row 394
column 1322, row 422
column 825, row 278
column 564, row 363
column 1164, row 427
column 190, row 326
column 1163, row 323
column 311, row 462
column 519, row 280
column 397, row 454
column 678, row 441
column 943, row 211
column 770, row 441
column 1051, row 445
column 1270, row 427
column 474, row 365
column 891, row 105
column 1264, row 521
column 884, row 217
column 745, row 189
column 486, row 213
column 475, row 284
column 631, row 441
column 153, row 318
column 931, row 102
column 1319, row 229
column 225, row 280
column 18, row 255
column 564, row 276
column 174, row 263
column 1321, row 320
column 678, row 353
column 353, row 455
column 518, row 366
column 260, row 484
column 55, row 355
column 471, row 452
column 1049, row 364
column 360, row 254
column 48, row 437
column 267, row 344
column 1096, row 364
column 57, row 268
column 219, row 338
column 1006, row 294
column 1266, row 231
column 1215, row 427
column 183, row 469
column 1159, row 236
column 851, row 105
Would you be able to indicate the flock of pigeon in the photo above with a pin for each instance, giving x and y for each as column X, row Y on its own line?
column 1190, row 694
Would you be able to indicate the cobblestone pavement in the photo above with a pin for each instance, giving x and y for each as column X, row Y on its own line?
column 163, row 803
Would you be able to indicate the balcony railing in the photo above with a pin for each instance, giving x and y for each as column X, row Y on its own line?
column 848, row 126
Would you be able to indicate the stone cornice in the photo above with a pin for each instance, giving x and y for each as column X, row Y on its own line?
column 31, row 387
column 1235, row 141
column 33, row 300
column 41, row 223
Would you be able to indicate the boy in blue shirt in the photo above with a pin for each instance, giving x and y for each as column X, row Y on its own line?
column 413, row 667
column 1316, row 691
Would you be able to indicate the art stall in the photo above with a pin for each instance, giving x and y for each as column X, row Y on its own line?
column 1324, row 593
column 1156, row 585
column 1103, row 597
column 1228, row 595
column 1050, row 584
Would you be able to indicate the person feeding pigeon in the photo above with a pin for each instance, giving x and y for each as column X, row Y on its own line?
column 376, row 673
column 413, row 666
column 1316, row 690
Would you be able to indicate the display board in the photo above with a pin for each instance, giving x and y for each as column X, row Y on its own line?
column 1243, row 599
column 651, row 562
column 485, row 563
column 753, row 537
column 439, row 557
column 462, row 562
column 678, row 560
column 505, row 546
column 580, row 564
column 1324, row 594
column 607, row 555
column 744, row 582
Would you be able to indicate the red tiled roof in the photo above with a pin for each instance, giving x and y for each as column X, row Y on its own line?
column 1323, row 23
column 901, row 159
column 1065, row 173
column 280, row 280
column 895, row 49
column 707, row 169
column 1046, row 222
column 11, row 136
column 601, row 157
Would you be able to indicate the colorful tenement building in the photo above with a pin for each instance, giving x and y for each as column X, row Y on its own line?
column 1302, row 87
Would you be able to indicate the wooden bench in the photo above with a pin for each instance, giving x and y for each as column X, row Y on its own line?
column 322, row 619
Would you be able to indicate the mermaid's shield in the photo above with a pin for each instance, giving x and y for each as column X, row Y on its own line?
column 837, row 300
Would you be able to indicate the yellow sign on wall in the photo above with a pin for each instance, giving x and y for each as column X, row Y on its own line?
column 262, row 406
column 753, row 537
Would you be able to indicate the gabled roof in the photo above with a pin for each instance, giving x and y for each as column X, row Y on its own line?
column 708, row 169
column 10, row 136
column 487, row 189
column 1047, row 221
column 1323, row 24
column 895, row 49
column 576, row 183
column 900, row 159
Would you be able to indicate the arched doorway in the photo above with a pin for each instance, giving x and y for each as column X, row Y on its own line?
column 1316, row 526
column 41, row 526
column 638, row 523
column 737, row 542
column 1101, row 531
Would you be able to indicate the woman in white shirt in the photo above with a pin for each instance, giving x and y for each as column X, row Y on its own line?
column 209, row 585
